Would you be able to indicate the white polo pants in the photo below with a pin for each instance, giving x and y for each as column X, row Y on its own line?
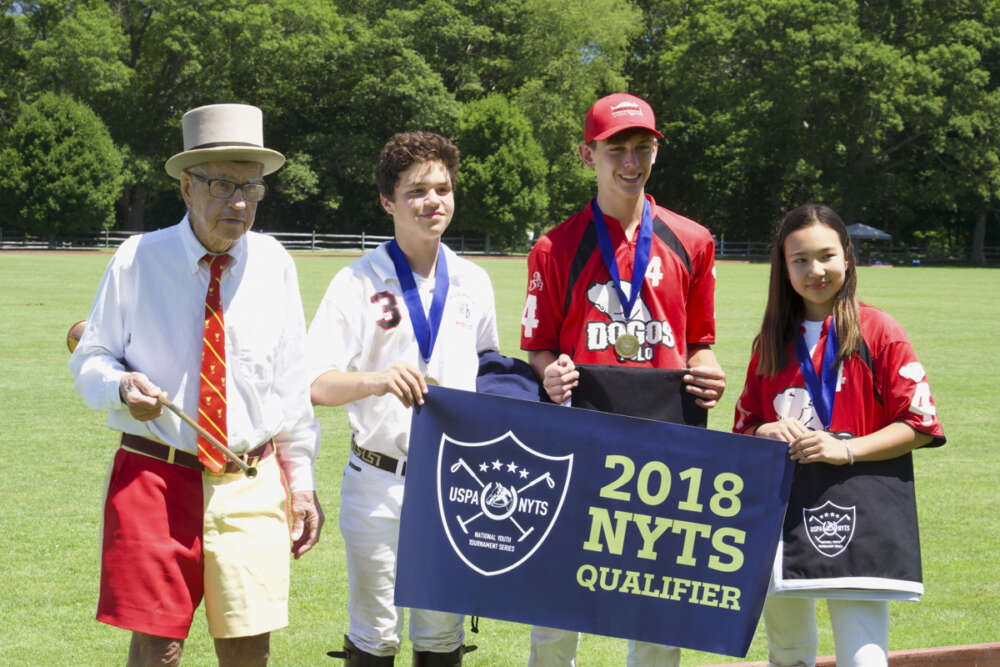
column 860, row 631
column 551, row 647
column 370, row 505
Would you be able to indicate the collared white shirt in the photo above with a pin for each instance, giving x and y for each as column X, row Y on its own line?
column 148, row 316
column 363, row 324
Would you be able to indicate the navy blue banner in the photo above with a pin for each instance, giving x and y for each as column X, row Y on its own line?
column 588, row 521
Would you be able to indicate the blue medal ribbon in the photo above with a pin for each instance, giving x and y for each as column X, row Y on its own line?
column 643, row 243
column 823, row 387
column 425, row 327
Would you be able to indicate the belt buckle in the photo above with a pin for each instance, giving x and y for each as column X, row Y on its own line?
column 245, row 458
column 230, row 467
column 252, row 461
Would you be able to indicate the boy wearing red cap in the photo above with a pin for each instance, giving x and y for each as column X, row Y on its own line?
column 581, row 307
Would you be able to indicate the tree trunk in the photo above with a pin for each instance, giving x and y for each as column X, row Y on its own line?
column 978, row 254
column 132, row 206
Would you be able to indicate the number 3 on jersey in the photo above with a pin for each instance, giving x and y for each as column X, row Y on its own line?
column 390, row 311
column 528, row 320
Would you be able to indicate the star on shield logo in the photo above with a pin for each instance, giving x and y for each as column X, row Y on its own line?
column 498, row 499
column 829, row 527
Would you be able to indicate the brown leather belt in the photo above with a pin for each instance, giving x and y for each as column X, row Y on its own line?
column 163, row 452
column 380, row 461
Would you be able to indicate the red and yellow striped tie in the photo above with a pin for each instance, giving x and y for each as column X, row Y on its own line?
column 212, row 397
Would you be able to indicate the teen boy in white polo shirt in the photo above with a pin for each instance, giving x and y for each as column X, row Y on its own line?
column 408, row 314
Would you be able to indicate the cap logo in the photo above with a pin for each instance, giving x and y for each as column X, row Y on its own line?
column 626, row 108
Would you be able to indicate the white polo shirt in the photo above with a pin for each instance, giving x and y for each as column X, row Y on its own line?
column 363, row 324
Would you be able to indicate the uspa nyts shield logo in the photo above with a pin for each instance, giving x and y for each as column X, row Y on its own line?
column 498, row 499
column 829, row 527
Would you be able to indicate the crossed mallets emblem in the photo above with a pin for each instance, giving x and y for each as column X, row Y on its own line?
column 829, row 528
column 497, row 501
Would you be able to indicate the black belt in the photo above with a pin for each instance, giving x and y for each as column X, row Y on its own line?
column 163, row 452
column 380, row 461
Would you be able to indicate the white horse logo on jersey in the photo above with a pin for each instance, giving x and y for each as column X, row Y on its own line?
column 639, row 323
column 795, row 403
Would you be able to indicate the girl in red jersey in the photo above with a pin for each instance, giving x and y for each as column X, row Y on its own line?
column 840, row 382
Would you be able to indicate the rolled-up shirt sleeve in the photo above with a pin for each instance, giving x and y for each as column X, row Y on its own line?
column 96, row 363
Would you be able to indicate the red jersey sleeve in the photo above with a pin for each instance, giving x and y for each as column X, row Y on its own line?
column 901, row 378
column 542, row 317
column 701, row 296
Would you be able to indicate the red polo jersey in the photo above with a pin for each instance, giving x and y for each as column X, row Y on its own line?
column 572, row 306
column 883, row 384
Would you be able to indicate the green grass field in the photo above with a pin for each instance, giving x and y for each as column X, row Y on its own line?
column 55, row 453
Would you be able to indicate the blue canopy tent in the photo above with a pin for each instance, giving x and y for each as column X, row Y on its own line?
column 861, row 233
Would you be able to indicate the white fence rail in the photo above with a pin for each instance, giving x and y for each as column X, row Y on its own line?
column 358, row 243
column 350, row 243
column 742, row 249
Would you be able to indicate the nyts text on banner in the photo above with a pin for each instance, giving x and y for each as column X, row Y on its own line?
column 588, row 521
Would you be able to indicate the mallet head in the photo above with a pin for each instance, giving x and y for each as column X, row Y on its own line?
column 74, row 334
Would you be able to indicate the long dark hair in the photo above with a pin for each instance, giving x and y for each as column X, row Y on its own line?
column 785, row 308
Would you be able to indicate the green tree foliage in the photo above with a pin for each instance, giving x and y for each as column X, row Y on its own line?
column 767, row 104
column 578, row 49
column 372, row 87
column 11, row 63
column 551, row 57
column 187, row 53
column 502, row 177
column 59, row 171
column 81, row 55
column 889, row 111
column 953, row 141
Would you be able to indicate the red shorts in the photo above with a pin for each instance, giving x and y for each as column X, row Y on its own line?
column 173, row 536
column 151, row 565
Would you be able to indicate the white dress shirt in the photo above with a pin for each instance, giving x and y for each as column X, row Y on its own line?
column 148, row 316
column 363, row 324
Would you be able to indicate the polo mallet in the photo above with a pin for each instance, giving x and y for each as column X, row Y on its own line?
column 249, row 471
column 73, row 337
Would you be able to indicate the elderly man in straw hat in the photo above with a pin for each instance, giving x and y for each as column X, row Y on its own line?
column 206, row 315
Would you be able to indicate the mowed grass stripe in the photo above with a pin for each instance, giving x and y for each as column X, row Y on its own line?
column 56, row 451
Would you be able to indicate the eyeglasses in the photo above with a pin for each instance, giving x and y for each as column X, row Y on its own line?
column 223, row 189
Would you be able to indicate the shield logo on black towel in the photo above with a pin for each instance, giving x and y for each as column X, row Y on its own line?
column 829, row 527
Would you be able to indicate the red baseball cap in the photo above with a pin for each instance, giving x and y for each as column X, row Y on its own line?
column 617, row 112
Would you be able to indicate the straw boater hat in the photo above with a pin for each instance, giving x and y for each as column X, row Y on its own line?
column 224, row 133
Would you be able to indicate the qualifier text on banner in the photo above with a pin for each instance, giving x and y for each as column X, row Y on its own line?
column 589, row 521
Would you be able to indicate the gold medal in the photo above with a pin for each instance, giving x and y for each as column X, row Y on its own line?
column 626, row 346
column 431, row 382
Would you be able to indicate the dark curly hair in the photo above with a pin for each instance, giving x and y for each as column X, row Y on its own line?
column 405, row 149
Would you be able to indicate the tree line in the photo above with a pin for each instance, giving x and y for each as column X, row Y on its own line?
column 888, row 110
